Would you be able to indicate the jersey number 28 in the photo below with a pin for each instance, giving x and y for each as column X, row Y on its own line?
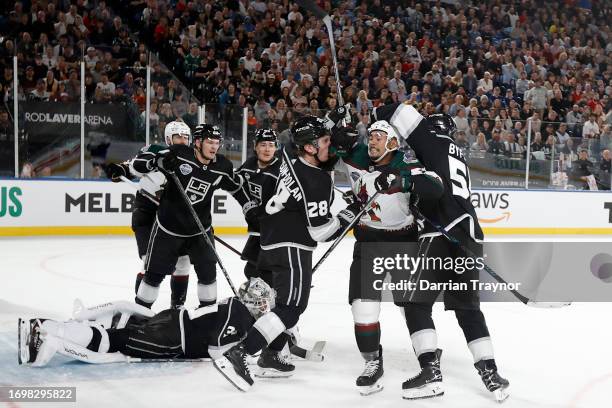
column 317, row 209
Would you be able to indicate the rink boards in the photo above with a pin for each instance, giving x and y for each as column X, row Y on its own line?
column 86, row 207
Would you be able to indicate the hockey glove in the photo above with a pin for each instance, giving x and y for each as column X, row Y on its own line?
column 167, row 161
column 349, row 197
column 249, row 209
column 114, row 171
column 334, row 117
column 343, row 140
column 347, row 216
column 393, row 181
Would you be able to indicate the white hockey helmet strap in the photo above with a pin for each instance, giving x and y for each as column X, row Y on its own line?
column 176, row 128
column 384, row 126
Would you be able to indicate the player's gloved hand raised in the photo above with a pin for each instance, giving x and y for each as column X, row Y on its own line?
column 114, row 171
column 334, row 117
column 393, row 181
column 167, row 161
column 343, row 140
column 348, row 215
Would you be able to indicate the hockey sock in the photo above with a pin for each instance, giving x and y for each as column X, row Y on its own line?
column 476, row 333
column 254, row 341
column 265, row 330
column 422, row 331
column 139, row 278
column 368, row 339
column 178, row 288
column 207, row 293
column 117, row 338
column 279, row 343
column 147, row 294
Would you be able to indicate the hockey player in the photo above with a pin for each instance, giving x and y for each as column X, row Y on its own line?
column 431, row 139
column 108, row 333
column 297, row 217
column 389, row 219
column 145, row 207
column 260, row 172
column 201, row 171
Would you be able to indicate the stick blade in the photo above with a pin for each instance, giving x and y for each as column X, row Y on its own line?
column 548, row 305
column 311, row 6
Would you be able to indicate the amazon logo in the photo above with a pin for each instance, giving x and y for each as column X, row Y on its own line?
column 499, row 202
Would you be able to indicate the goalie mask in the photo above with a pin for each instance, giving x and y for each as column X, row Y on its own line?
column 257, row 296
column 176, row 128
column 383, row 128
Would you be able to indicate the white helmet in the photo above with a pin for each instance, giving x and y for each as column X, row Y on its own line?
column 257, row 296
column 384, row 126
column 176, row 128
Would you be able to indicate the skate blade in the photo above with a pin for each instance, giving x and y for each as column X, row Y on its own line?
column 501, row 394
column 23, row 351
column 272, row 373
column 224, row 366
column 427, row 391
column 366, row 390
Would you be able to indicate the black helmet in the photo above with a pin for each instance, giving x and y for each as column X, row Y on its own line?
column 307, row 130
column 442, row 123
column 206, row 131
column 265, row 135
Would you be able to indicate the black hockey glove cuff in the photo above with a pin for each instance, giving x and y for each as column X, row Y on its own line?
column 249, row 209
column 347, row 216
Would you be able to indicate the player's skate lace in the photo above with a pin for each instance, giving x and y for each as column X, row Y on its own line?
column 487, row 375
column 370, row 368
column 283, row 359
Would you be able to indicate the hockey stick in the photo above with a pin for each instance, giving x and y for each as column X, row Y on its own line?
column 137, row 188
column 314, row 354
column 311, row 6
column 336, row 242
column 166, row 360
column 494, row 275
column 154, row 199
column 180, row 188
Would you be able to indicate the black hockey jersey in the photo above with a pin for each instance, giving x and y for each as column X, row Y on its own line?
column 199, row 181
column 298, row 214
column 213, row 329
column 440, row 154
column 261, row 185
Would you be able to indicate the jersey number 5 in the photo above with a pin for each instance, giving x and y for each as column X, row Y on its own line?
column 460, row 177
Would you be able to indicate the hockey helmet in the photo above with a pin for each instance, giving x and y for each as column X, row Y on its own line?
column 265, row 135
column 442, row 124
column 207, row 131
column 384, row 126
column 176, row 128
column 307, row 130
column 257, row 296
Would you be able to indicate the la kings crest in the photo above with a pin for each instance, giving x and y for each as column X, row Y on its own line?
column 196, row 189
column 255, row 190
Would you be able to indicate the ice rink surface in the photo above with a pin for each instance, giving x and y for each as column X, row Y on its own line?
column 552, row 357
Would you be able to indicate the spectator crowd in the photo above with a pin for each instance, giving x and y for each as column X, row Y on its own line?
column 499, row 68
